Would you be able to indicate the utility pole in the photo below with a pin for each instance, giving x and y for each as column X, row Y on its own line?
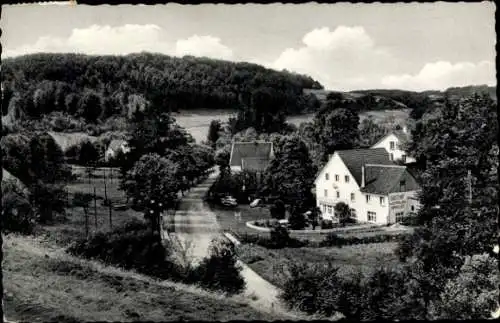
column 108, row 202
column 469, row 184
column 95, row 209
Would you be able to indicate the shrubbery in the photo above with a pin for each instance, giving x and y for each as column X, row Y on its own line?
column 220, row 271
column 333, row 240
column 319, row 289
column 276, row 240
column 17, row 211
column 132, row 246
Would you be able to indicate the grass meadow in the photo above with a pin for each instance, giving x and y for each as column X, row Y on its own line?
column 197, row 122
column 271, row 264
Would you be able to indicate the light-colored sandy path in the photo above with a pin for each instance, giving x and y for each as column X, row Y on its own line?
column 196, row 225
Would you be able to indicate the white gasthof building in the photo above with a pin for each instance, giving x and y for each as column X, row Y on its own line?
column 394, row 142
column 375, row 188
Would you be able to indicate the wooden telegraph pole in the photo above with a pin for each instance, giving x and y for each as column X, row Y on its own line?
column 95, row 208
column 469, row 184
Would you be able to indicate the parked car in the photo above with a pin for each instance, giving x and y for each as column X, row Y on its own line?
column 283, row 223
column 229, row 201
column 256, row 203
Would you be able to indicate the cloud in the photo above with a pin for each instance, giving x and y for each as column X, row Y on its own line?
column 347, row 58
column 126, row 39
column 203, row 46
column 342, row 59
column 441, row 75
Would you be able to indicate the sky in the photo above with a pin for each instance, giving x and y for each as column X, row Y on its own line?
column 344, row 46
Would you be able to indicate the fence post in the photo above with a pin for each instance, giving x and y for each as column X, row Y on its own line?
column 110, row 216
column 86, row 222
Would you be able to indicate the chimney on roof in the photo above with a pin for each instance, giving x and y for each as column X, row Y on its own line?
column 362, row 176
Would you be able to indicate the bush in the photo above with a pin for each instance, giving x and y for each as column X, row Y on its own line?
column 318, row 289
column 326, row 224
column 343, row 212
column 131, row 246
column 297, row 221
column 269, row 243
column 333, row 240
column 473, row 294
column 17, row 211
column 278, row 210
column 280, row 236
column 220, row 271
column 308, row 286
column 410, row 221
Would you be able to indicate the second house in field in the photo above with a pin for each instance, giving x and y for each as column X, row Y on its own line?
column 370, row 183
column 394, row 143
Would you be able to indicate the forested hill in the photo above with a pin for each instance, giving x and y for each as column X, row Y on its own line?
column 97, row 87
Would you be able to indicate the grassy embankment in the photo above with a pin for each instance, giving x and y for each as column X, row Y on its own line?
column 271, row 264
column 44, row 283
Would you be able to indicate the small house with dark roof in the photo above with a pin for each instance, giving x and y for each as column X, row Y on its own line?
column 376, row 189
column 394, row 143
column 114, row 147
column 252, row 156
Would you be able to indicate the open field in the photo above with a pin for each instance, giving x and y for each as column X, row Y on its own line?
column 66, row 140
column 196, row 122
column 73, row 227
column 77, row 290
column 349, row 259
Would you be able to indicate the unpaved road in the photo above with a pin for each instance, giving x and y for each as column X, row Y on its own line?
column 196, row 225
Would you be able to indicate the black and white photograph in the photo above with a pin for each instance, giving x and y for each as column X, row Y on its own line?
column 260, row 162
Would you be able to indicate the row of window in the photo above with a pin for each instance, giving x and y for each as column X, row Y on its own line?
column 337, row 177
column 353, row 197
column 372, row 216
column 329, row 209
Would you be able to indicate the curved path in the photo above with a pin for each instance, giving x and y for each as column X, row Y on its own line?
column 195, row 225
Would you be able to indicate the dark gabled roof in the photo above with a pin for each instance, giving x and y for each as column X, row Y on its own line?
column 387, row 179
column 401, row 135
column 254, row 164
column 258, row 150
column 355, row 158
column 116, row 144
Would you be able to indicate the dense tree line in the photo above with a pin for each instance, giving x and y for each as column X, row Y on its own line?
column 39, row 163
column 162, row 161
column 95, row 88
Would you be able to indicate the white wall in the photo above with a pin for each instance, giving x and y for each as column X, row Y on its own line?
column 337, row 167
column 397, row 152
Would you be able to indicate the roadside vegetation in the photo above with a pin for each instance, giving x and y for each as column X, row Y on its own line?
column 111, row 216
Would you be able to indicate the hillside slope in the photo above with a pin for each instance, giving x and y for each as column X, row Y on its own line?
column 77, row 290
column 95, row 88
